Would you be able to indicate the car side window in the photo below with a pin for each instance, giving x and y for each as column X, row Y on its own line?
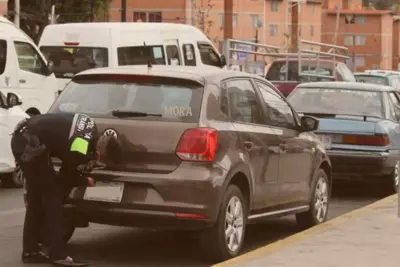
column 3, row 56
column 395, row 99
column 189, row 55
column 277, row 112
column 243, row 104
column 173, row 55
column 209, row 56
column 28, row 58
column 394, row 105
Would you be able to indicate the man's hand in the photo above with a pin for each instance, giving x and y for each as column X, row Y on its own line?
column 91, row 182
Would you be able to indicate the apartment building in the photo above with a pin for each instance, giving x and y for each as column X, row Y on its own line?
column 369, row 34
column 264, row 21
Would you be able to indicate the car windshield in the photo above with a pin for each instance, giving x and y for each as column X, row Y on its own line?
column 277, row 72
column 69, row 61
column 168, row 100
column 337, row 101
column 372, row 79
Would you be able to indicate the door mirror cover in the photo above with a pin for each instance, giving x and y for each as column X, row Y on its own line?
column 13, row 100
column 309, row 123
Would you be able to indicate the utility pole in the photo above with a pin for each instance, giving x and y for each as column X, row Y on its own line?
column 123, row 10
column 17, row 10
column 92, row 10
column 228, row 19
column 337, row 24
column 295, row 27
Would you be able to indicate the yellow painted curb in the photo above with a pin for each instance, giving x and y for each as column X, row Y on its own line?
column 263, row 251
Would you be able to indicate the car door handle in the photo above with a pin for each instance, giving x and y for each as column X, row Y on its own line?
column 22, row 81
column 248, row 145
column 283, row 146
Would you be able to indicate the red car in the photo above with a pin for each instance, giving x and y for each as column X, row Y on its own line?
column 286, row 79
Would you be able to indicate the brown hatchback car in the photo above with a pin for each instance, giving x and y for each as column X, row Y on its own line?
column 201, row 149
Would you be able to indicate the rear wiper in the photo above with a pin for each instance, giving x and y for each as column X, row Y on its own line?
column 126, row 114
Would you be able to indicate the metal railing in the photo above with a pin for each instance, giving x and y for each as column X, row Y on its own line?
column 307, row 50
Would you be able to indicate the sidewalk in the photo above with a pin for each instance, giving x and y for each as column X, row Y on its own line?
column 368, row 237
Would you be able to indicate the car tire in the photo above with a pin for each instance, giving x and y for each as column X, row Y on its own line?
column 215, row 241
column 392, row 181
column 14, row 179
column 319, row 205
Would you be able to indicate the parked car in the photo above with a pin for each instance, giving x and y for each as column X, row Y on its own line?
column 10, row 114
column 380, row 78
column 201, row 149
column 359, row 124
column 286, row 79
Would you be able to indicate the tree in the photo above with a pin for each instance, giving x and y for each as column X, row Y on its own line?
column 34, row 15
column 382, row 4
column 201, row 16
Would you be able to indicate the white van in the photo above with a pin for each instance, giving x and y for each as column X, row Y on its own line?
column 75, row 47
column 24, row 70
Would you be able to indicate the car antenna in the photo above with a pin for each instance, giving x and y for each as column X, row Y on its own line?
column 149, row 65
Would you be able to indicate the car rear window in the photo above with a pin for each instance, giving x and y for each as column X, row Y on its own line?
column 372, row 79
column 140, row 55
column 337, row 101
column 68, row 61
column 277, row 71
column 173, row 99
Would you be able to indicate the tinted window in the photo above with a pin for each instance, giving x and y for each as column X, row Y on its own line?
column 337, row 101
column 140, row 55
column 209, row 56
column 243, row 103
column 28, row 58
column 68, row 61
column 189, row 55
column 173, row 55
column 278, row 112
column 175, row 100
column 3, row 56
column 278, row 69
column 372, row 79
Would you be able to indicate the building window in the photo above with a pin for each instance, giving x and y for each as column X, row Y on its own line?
column 140, row 16
column 360, row 61
column 273, row 29
column 359, row 20
column 359, row 40
column 274, row 6
column 348, row 40
column 312, row 30
column 255, row 20
column 235, row 19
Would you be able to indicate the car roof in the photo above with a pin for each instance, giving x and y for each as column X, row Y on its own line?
column 374, row 74
column 199, row 74
column 347, row 86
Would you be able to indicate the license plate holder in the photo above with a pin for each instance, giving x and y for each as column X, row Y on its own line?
column 105, row 192
column 326, row 140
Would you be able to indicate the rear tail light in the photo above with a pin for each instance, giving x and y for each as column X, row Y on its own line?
column 198, row 144
column 366, row 140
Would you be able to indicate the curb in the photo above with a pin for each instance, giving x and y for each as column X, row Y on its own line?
column 291, row 240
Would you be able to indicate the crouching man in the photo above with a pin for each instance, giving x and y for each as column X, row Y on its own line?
column 74, row 139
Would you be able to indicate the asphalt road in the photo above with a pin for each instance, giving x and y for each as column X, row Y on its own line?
column 106, row 246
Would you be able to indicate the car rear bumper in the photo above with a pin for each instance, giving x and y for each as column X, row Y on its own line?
column 155, row 201
column 361, row 165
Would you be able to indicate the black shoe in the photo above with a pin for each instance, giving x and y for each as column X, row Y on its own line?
column 35, row 257
column 68, row 261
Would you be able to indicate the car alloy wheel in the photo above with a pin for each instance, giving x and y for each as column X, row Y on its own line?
column 321, row 199
column 234, row 224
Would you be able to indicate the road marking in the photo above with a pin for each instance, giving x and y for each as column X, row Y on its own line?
column 11, row 212
column 291, row 240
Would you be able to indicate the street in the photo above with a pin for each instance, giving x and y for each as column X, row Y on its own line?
column 117, row 246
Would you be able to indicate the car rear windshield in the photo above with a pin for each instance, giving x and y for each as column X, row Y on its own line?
column 337, row 101
column 277, row 71
column 164, row 99
column 141, row 55
column 372, row 79
column 69, row 61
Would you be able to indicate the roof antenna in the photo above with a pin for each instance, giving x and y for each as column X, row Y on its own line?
column 149, row 65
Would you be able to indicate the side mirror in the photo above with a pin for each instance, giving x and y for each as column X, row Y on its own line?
column 223, row 61
column 49, row 69
column 13, row 100
column 309, row 124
